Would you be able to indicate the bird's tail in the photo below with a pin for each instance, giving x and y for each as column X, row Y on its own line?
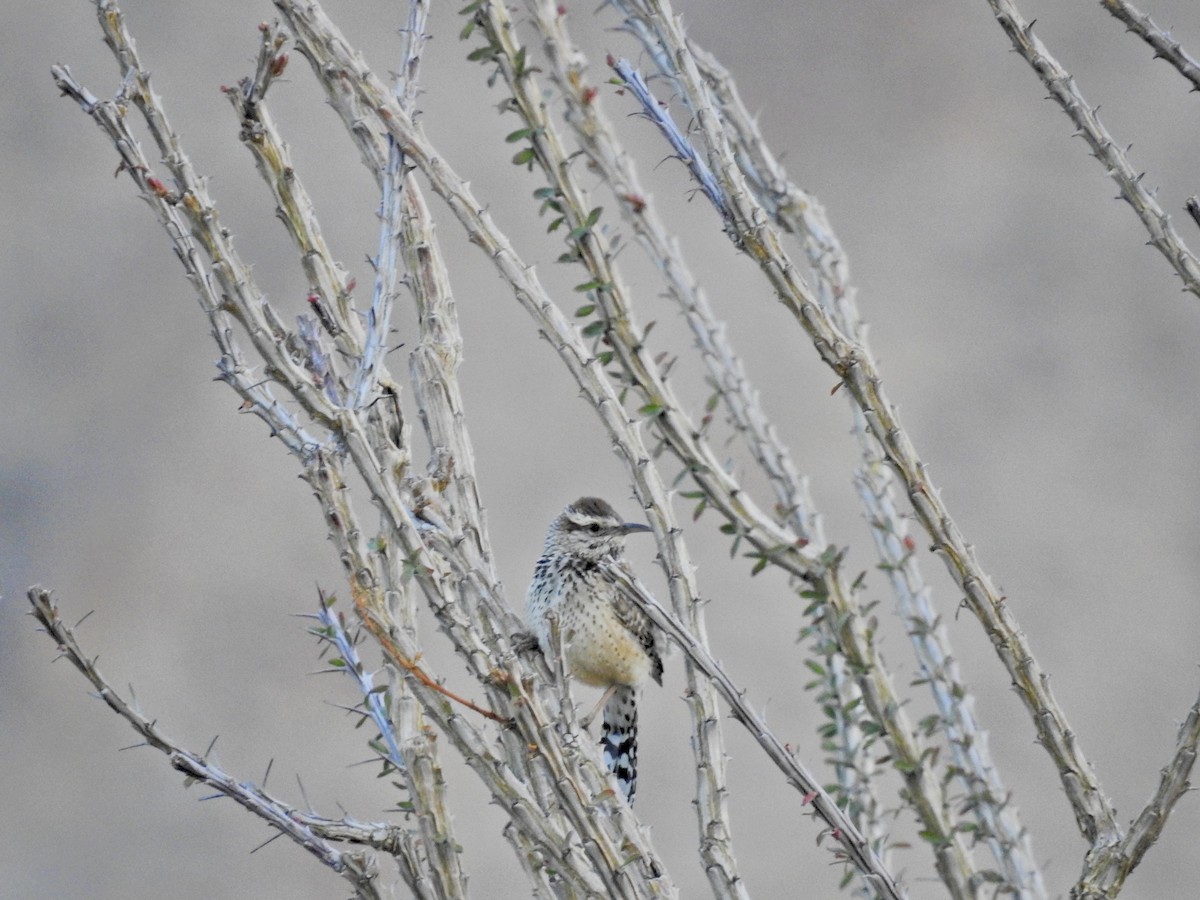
column 618, row 737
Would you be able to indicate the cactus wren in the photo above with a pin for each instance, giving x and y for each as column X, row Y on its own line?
column 606, row 640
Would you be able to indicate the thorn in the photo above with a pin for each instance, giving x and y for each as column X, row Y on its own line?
column 274, row 837
column 349, row 709
column 303, row 793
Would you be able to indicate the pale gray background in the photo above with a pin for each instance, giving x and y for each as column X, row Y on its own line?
column 1043, row 358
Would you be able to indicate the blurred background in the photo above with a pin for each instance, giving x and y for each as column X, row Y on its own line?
column 1042, row 357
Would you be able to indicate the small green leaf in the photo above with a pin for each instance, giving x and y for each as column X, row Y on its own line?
column 481, row 54
column 584, row 311
column 520, row 134
column 525, row 157
column 593, row 285
column 594, row 329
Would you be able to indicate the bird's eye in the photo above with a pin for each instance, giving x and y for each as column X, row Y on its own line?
column 594, row 528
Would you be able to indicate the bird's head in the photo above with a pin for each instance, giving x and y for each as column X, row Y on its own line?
column 590, row 529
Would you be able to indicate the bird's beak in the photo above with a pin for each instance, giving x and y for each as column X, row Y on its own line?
column 631, row 527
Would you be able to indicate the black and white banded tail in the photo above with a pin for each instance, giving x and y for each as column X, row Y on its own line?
column 618, row 737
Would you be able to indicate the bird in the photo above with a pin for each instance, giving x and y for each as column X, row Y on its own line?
column 606, row 640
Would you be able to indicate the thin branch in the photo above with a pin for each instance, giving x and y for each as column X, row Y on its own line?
column 324, row 475
column 393, row 187
column 434, row 366
column 427, row 791
column 1165, row 46
column 387, row 275
column 419, row 743
column 399, row 658
column 987, row 798
column 435, row 362
column 332, row 629
column 235, row 290
column 175, row 215
column 1107, row 867
column 1066, row 93
column 1173, row 784
column 546, row 883
column 311, row 832
column 330, row 284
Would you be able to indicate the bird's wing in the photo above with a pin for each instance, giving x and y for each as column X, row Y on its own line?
column 632, row 596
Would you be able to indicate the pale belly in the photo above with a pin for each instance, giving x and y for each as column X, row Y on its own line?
column 600, row 650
